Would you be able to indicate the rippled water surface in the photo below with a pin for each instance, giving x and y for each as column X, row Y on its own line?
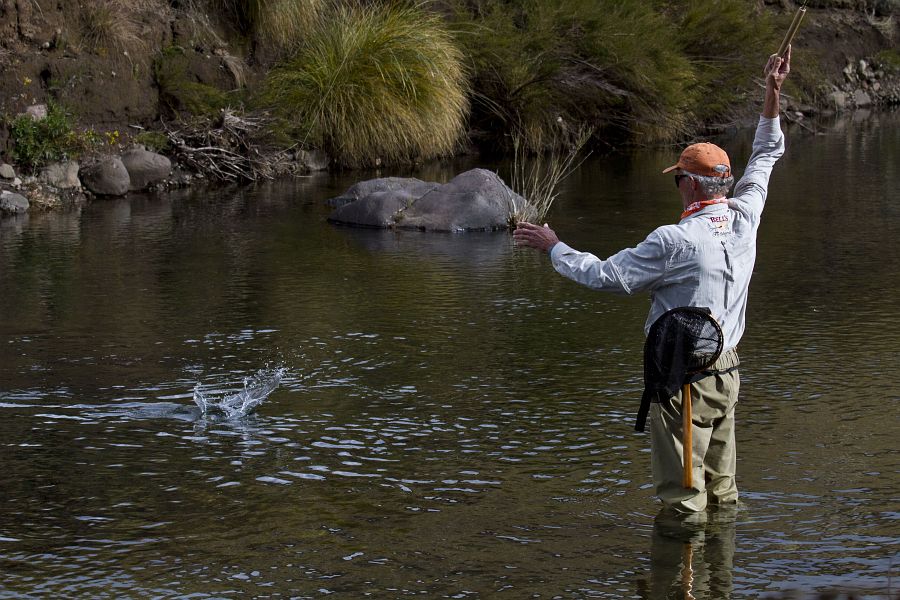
column 453, row 419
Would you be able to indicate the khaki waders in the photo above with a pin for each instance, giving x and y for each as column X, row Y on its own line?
column 713, row 400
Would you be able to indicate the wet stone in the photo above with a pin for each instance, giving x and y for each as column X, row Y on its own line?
column 476, row 200
column 61, row 175
column 12, row 203
column 145, row 168
column 107, row 177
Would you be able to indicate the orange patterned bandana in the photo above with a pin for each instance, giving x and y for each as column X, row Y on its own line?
column 698, row 206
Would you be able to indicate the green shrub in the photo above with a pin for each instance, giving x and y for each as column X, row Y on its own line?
column 650, row 70
column 889, row 59
column 727, row 43
column 383, row 81
column 155, row 141
column 36, row 143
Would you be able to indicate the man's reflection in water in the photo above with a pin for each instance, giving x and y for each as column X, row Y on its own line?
column 691, row 555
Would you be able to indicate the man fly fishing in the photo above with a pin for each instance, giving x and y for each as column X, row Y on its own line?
column 704, row 261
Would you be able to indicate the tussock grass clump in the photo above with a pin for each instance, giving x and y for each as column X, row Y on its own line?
column 281, row 23
column 607, row 63
column 285, row 22
column 381, row 83
column 108, row 25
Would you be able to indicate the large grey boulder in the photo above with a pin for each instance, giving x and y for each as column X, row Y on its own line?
column 61, row 175
column 378, row 209
column 410, row 185
column 145, row 168
column 12, row 203
column 7, row 172
column 476, row 200
column 107, row 177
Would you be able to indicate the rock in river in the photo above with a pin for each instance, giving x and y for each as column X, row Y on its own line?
column 375, row 203
column 476, row 200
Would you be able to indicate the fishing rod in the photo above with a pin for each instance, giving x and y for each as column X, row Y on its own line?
column 792, row 30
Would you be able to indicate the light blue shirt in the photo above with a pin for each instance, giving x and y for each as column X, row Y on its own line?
column 705, row 260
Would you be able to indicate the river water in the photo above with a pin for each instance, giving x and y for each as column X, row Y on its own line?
column 451, row 418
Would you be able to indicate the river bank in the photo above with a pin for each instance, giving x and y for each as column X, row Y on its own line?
column 223, row 92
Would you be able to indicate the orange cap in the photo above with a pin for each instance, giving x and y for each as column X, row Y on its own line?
column 703, row 159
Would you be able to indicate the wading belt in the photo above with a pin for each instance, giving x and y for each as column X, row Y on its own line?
column 727, row 363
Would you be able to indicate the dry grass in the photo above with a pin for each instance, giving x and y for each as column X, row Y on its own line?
column 285, row 22
column 108, row 25
column 203, row 34
column 536, row 176
column 886, row 26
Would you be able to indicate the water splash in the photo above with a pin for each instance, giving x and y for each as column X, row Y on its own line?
column 234, row 406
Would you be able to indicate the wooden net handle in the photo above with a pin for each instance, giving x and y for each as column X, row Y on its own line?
column 687, row 441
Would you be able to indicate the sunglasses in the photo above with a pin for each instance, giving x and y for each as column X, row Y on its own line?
column 678, row 179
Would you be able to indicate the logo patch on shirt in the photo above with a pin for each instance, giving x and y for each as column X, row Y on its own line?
column 719, row 225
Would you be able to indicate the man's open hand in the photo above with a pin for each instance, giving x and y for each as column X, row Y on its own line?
column 535, row 236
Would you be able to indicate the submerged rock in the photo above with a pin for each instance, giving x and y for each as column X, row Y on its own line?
column 313, row 160
column 476, row 200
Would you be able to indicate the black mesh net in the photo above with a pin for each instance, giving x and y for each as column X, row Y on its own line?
column 681, row 343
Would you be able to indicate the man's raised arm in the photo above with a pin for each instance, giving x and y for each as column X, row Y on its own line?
column 776, row 71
